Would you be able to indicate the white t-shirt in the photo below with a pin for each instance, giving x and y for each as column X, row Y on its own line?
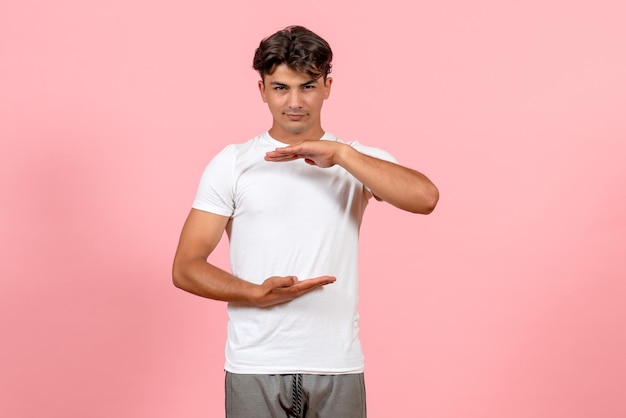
column 290, row 218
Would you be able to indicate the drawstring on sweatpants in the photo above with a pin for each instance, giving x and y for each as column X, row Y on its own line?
column 296, row 391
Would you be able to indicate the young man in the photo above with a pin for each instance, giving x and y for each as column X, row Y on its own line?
column 291, row 201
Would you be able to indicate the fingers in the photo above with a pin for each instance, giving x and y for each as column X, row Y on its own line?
column 308, row 158
column 319, row 153
column 308, row 285
column 283, row 154
column 280, row 158
column 291, row 283
column 280, row 289
column 292, row 149
column 323, row 280
column 278, row 282
column 291, row 152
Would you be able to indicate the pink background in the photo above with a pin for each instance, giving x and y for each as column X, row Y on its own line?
column 507, row 301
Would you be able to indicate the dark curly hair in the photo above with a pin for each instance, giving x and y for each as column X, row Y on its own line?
column 297, row 47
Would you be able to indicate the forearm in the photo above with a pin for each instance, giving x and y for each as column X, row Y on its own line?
column 400, row 186
column 204, row 279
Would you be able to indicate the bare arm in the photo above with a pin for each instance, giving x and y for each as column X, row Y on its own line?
column 191, row 271
column 403, row 187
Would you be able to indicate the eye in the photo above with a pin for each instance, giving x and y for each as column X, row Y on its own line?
column 280, row 88
column 308, row 87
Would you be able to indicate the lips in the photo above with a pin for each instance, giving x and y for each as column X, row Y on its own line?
column 295, row 116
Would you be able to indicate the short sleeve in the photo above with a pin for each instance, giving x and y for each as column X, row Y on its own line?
column 216, row 190
column 373, row 152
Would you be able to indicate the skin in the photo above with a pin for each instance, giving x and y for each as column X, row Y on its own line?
column 295, row 101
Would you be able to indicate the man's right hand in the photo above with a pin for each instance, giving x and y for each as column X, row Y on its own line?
column 280, row 289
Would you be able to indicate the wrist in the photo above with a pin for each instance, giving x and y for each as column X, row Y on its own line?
column 252, row 294
column 342, row 153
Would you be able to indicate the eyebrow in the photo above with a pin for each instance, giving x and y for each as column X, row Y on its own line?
column 306, row 83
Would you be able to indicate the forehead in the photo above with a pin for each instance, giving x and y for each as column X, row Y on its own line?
column 285, row 75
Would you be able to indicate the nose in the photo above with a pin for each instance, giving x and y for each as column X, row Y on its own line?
column 294, row 99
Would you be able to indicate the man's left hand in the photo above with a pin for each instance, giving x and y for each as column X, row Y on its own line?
column 314, row 152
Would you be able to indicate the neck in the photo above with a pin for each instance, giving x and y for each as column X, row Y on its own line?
column 295, row 137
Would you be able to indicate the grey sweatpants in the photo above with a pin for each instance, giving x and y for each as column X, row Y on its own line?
column 295, row 396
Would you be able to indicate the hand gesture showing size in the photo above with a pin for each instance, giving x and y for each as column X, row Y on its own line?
column 314, row 152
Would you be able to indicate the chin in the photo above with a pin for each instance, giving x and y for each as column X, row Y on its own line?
column 295, row 129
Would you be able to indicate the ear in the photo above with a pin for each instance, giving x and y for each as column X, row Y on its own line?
column 327, row 84
column 262, row 90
